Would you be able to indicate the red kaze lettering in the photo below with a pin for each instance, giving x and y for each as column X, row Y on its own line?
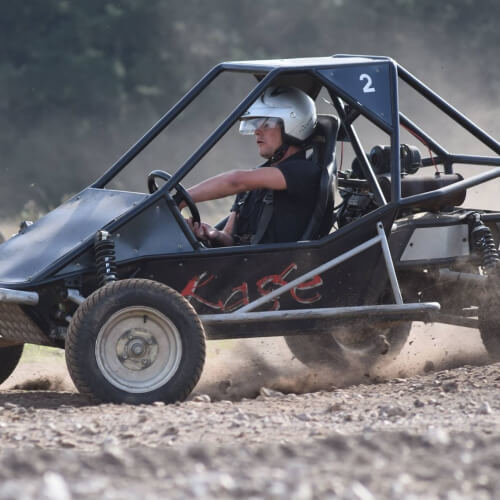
column 194, row 284
column 274, row 280
column 308, row 285
column 243, row 290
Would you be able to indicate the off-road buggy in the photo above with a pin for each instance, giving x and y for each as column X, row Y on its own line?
column 119, row 281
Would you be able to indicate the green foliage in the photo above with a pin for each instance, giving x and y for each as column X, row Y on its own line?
column 81, row 80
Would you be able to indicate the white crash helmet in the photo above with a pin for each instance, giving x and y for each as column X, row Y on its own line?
column 292, row 106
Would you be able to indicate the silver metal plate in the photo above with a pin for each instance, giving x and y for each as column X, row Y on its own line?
column 440, row 242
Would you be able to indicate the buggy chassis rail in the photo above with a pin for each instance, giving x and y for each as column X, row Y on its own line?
column 398, row 311
column 8, row 295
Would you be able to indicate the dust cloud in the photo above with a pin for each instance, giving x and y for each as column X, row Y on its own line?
column 45, row 383
column 239, row 369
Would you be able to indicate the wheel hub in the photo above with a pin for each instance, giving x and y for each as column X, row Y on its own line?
column 137, row 349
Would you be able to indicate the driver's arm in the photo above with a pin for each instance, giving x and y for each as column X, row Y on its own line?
column 238, row 181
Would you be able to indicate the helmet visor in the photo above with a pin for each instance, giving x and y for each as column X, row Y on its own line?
column 248, row 126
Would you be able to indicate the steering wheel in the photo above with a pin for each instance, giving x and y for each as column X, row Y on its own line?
column 182, row 194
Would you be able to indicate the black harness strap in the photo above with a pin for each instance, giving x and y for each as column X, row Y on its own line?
column 265, row 217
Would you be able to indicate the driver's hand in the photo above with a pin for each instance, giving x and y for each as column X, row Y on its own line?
column 205, row 232
column 202, row 231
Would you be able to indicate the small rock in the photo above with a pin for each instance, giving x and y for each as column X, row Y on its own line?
column 304, row 417
column 171, row 431
column 227, row 482
column 450, row 387
column 265, row 392
column 484, row 408
column 202, row 398
column 418, row 403
column 392, row 411
column 334, row 407
column 241, row 416
column 54, row 487
column 116, row 456
column 67, row 443
column 200, row 454
column 437, row 435
column 361, row 492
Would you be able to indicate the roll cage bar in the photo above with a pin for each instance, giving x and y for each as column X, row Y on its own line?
column 349, row 79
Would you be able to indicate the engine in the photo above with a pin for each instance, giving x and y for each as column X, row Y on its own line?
column 359, row 200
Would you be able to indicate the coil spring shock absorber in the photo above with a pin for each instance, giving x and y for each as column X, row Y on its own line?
column 482, row 239
column 104, row 248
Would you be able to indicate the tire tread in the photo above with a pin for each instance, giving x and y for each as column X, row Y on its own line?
column 78, row 326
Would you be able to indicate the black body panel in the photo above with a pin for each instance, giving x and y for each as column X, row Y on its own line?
column 153, row 232
column 25, row 256
column 222, row 280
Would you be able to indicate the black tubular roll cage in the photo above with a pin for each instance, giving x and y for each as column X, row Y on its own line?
column 348, row 109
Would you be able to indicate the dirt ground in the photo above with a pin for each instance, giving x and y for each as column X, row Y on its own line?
column 261, row 425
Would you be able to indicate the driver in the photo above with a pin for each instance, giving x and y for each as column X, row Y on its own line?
column 275, row 201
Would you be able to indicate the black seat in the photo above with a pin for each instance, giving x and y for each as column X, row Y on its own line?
column 323, row 145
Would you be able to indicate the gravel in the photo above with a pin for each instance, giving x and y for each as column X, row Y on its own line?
column 434, row 435
column 266, row 427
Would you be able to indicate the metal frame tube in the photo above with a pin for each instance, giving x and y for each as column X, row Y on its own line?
column 475, row 160
column 209, row 143
column 487, row 161
column 320, row 313
column 395, row 143
column 389, row 264
column 360, row 154
column 18, row 297
column 129, row 155
column 448, row 109
column 204, row 148
column 75, row 296
column 432, row 144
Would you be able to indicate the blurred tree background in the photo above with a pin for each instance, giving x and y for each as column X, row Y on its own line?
column 80, row 81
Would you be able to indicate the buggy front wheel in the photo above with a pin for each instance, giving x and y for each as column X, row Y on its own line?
column 135, row 341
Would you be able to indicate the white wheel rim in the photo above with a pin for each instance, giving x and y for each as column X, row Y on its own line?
column 138, row 349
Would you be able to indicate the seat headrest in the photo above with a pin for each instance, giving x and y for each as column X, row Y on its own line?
column 323, row 144
column 324, row 139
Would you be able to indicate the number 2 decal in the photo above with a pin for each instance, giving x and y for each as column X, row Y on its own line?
column 367, row 89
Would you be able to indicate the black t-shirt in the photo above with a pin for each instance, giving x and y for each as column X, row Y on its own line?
column 292, row 207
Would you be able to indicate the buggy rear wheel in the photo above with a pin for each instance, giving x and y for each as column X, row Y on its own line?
column 489, row 328
column 489, row 318
column 9, row 359
column 358, row 346
column 135, row 341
